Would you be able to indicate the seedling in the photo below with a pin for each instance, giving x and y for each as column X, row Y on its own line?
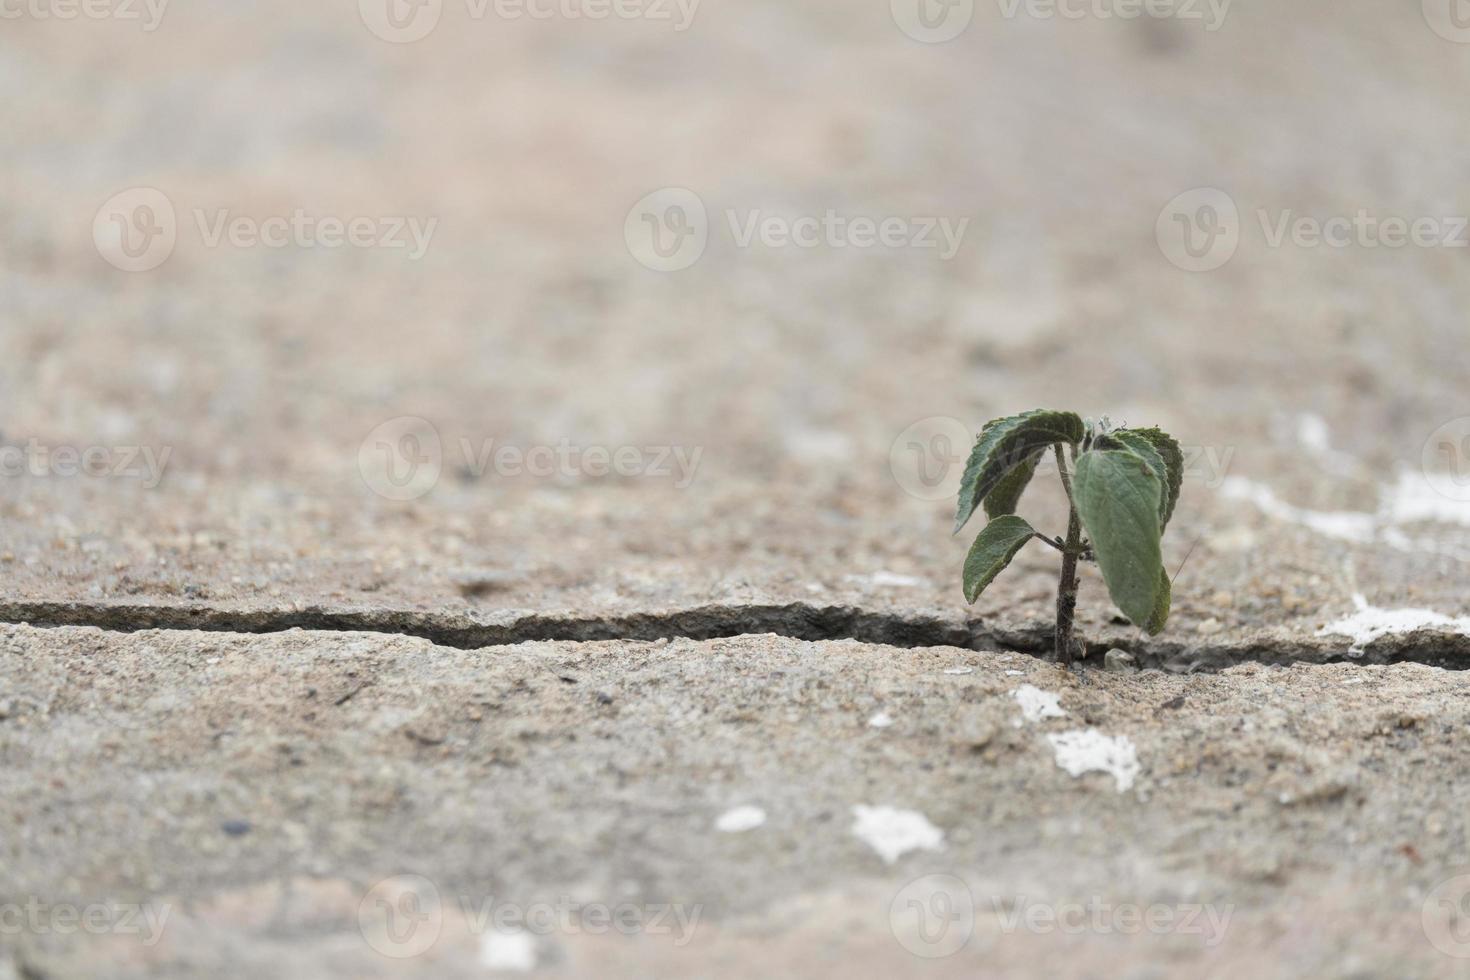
column 1121, row 486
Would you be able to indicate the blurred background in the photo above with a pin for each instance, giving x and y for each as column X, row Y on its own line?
column 322, row 263
column 448, row 311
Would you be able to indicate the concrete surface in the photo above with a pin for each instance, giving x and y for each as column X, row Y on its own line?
column 260, row 789
column 788, row 422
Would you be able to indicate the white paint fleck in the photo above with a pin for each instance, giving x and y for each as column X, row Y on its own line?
column 1315, row 436
column 1344, row 525
column 740, row 819
column 893, row 832
column 1087, row 751
column 881, row 720
column 1036, row 704
column 1413, row 499
column 888, row 579
column 959, row 671
column 1370, row 622
column 1410, row 500
column 511, row 951
column 1313, row 433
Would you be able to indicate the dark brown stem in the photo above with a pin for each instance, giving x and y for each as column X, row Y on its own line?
column 1067, row 589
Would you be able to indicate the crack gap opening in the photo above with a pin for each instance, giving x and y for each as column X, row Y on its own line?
column 800, row 621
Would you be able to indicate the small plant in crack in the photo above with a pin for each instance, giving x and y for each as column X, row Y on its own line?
column 1122, row 485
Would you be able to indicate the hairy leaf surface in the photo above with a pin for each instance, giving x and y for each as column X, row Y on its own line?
column 1117, row 496
column 992, row 551
column 1005, row 444
column 1144, row 448
column 1155, row 624
column 1168, row 449
column 1007, row 493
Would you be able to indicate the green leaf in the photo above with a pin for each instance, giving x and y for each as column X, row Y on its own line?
column 1005, row 444
column 1117, row 497
column 1132, row 441
column 992, row 551
column 1007, row 493
column 1173, row 457
column 1160, row 616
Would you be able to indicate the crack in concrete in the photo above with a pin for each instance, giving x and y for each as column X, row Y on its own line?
column 797, row 620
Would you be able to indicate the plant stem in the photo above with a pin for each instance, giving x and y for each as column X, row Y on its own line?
column 1067, row 589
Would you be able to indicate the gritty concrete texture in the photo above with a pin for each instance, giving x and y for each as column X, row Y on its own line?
column 265, row 790
column 590, row 554
column 261, row 379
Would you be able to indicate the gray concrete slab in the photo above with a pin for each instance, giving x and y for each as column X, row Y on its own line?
column 266, row 790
